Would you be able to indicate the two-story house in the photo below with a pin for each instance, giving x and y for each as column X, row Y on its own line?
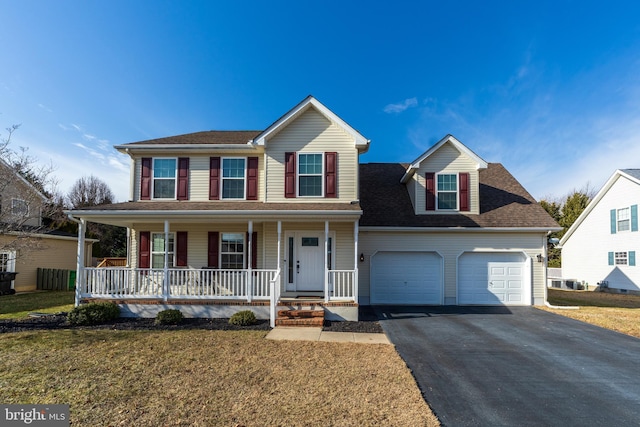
column 25, row 243
column 222, row 221
column 600, row 247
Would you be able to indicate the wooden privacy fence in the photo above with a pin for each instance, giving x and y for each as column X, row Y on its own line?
column 54, row 279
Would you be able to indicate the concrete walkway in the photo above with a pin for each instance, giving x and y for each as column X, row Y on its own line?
column 282, row 333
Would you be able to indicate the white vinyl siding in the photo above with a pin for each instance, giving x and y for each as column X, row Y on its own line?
column 446, row 160
column 585, row 254
column 451, row 246
column 311, row 132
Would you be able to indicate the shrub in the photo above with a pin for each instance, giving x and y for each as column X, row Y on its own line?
column 243, row 318
column 93, row 313
column 169, row 316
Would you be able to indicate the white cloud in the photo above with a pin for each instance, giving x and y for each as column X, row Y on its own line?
column 45, row 108
column 401, row 106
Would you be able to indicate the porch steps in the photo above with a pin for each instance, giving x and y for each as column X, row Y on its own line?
column 301, row 316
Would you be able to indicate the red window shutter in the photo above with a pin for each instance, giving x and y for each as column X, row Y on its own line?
column 144, row 250
column 214, row 178
column 145, row 179
column 181, row 249
column 431, row 191
column 212, row 251
column 252, row 178
column 290, row 175
column 183, row 178
column 463, row 177
column 331, row 173
column 254, row 248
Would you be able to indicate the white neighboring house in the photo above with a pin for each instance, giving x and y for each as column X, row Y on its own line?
column 603, row 243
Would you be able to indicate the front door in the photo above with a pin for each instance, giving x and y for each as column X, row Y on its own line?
column 309, row 260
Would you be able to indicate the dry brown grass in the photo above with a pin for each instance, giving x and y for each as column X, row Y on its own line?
column 618, row 312
column 209, row 378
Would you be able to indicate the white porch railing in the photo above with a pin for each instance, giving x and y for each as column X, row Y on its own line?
column 181, row 283
column 343, row 285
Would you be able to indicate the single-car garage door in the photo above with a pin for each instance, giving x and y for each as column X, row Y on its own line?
column 494, row 279
column 406, row 278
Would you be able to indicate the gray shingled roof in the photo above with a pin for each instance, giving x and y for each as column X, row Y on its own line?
column 633, row 172
column 503, row 201
column 206, row 137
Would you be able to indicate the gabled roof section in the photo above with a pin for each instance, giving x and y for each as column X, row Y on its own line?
column 22, row 179
column 218, row 138
column 362, row 144
column 449, row 139
column 632, row 175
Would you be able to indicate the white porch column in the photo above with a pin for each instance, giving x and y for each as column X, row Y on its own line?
column 356, row 259
column 274, row 294
column 249, row 266
column 326, row 263
column 165, row 282
column 80, row 282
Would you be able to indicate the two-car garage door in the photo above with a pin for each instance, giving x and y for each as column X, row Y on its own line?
column 406, row 278
column 487, row 278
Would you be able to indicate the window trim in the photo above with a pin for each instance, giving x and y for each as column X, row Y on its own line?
column 153, row 178
column 244, row 250
column 457, row 192
column 244, row 178
column 321, row 174
column 14, row 201
column 171, row 254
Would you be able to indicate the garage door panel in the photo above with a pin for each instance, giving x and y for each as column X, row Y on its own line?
column 492, row 279
column 406, row 278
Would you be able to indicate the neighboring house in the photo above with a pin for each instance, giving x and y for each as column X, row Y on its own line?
column 223, row 220
column 25, row 244
column 602, row 244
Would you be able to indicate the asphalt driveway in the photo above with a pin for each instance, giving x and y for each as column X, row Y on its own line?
column 517, row 366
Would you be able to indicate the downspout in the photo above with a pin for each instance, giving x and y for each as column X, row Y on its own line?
column 546, row 282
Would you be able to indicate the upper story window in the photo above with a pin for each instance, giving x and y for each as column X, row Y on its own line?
column 19, row 207
column 233, row 178
column 310, row 173
column 447, row 191
column 157, row 250
column 164, row 178
column 624, row 219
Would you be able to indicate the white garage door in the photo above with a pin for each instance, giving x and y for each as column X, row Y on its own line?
column 406, row 278
column 494, row 279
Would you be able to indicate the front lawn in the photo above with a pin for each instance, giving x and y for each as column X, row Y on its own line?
column 205, row 378
column 18, row 306
column 618, row 312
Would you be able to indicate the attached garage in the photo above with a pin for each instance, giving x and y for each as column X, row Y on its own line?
column 494, row 279
column 406, row 278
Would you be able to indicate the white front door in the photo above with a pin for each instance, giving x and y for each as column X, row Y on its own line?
column 309, row 260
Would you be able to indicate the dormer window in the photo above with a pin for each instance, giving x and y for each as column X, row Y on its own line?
column 447, row 192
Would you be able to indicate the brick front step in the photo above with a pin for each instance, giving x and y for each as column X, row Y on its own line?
column 301, row 313
column 310, row 321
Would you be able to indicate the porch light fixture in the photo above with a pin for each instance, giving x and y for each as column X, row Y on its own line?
column 540, row 257
column 361, row 257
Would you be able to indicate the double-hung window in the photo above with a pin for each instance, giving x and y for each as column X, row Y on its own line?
column 158, row 248
column 310, row 173
column 19, row 207
column 232, row 251
column 233, row 178
column 624, row 219
column 447, row 191
column 164, row 178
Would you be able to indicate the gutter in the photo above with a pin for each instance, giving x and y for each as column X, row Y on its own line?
column 461, row 229
column 217, row 213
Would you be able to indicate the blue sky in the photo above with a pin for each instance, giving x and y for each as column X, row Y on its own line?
column 551, row 89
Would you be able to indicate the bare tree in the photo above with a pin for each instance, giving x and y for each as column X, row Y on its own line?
column 89, row 191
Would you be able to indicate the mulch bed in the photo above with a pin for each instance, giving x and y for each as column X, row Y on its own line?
column 59, row 321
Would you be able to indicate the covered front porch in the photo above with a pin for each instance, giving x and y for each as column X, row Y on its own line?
column 214, row 268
